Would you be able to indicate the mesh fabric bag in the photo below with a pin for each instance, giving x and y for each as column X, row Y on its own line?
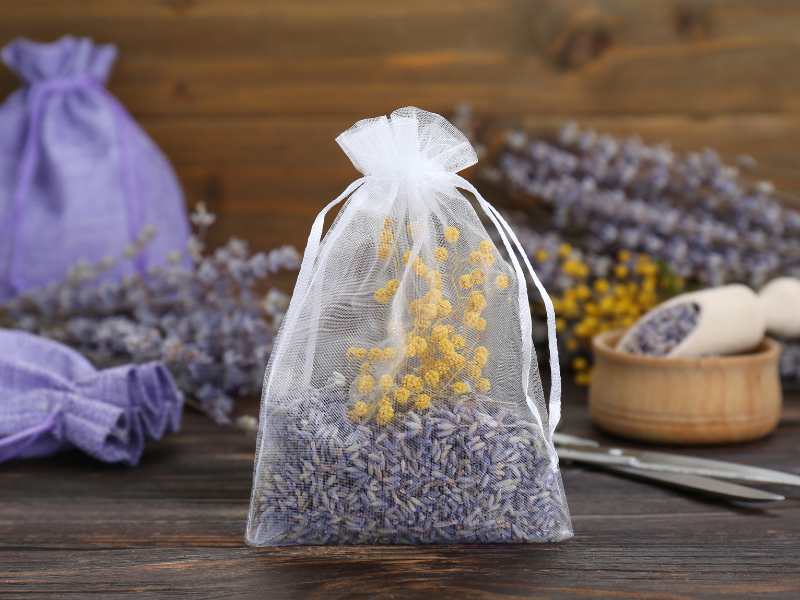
column 403, row 402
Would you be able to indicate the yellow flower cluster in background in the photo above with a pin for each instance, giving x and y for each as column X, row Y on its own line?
column 435, row 352
column 590, row 305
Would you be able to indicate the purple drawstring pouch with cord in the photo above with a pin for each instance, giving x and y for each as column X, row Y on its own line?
column 79, row 179
column 53, row 399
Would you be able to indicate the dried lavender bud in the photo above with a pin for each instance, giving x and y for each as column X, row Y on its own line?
column 210, row 323
column 456, row 474
column 661, row 331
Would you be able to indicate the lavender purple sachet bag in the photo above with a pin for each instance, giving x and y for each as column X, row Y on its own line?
column 79, row 179
column 53, row 399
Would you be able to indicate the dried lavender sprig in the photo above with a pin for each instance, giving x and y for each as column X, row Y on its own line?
column 209, row 322
column 692, row 211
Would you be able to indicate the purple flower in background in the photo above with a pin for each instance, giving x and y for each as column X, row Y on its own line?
column 691, row 211
column 212, row 324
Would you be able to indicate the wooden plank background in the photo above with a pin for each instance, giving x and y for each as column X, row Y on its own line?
column 246, row 96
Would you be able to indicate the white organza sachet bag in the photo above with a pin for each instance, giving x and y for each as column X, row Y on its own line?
column 403, row 402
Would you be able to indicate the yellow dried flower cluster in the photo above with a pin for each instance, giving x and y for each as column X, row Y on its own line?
column 435, row 352
column 592, row 305
column 383, row 295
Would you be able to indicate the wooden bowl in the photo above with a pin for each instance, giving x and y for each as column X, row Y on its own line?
column 711, row 400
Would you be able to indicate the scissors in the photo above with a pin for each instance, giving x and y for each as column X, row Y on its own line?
column 710, row 477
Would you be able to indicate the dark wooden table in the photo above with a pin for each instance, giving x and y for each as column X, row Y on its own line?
column 74, row 528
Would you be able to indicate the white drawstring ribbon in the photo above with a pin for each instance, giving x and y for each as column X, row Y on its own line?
column 554, row 402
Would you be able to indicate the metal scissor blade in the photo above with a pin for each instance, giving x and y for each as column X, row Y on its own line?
column 565, row 439
column 666, row 462
column 696, row 483
column 676, row 463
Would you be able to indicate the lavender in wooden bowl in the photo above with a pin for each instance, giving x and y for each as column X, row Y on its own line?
column 685, row 400
column 659, row 333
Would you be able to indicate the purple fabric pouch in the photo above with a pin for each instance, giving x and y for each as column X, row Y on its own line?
column 79, row 179
column 53, row 399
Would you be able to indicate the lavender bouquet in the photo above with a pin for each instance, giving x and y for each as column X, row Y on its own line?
column 621, row 209
column 212, row 323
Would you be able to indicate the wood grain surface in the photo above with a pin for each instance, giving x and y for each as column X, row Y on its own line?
column 246, row 96
column 173, row 527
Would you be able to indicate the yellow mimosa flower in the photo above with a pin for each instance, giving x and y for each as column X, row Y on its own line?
column 481, row 354
column 580, row 363
column 412, row 382
column 471, row 318
column 477, row 301
column 385, row 413
column 451, row 234
column 601, row 285
column 365, row 383
column 429, row 311
column 359, row 410
column 402, row 395
column 356, row 352
column 432, row 378
column 444, row 308
column 460, row 387
column 478, row 277
column 439, row 332
column 542, row 255
column 433, row 295
column 422, row 402
column 483, row 385
column 386, row 382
